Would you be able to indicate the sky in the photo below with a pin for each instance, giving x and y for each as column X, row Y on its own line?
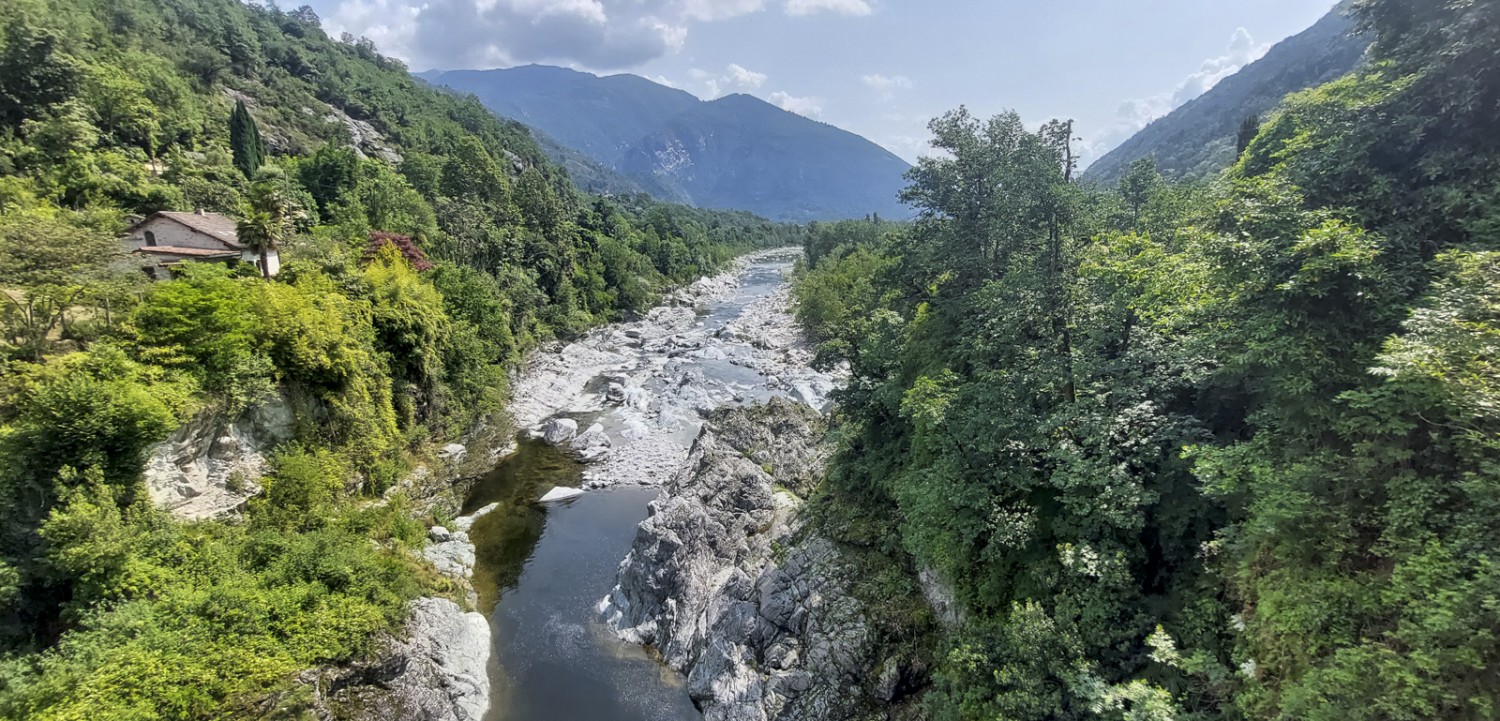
column 880, row 68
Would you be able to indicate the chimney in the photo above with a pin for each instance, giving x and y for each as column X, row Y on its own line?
column 198, row 211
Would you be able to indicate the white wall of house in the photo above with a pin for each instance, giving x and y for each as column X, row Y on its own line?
column 170, row 232
column 273, row 259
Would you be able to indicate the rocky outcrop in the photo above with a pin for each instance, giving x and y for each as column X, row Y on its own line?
column 212, row 464
column 363, row 137
column 434, row 672
column 722, row 582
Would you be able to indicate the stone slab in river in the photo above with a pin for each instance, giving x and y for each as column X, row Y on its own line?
column 558, row 493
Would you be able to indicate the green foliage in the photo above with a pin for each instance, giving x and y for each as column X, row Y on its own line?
column 110, row 108
column 208, row 324
column 205, row 615
column 244, row 140
column 1196, row 452
column 55, row 266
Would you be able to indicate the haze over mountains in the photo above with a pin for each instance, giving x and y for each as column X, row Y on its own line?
column 735, row 152
column 1198, row 139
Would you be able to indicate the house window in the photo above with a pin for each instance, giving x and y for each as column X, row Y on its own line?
column 150, row 238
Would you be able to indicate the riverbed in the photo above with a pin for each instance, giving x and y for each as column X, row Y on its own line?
column 636, row 392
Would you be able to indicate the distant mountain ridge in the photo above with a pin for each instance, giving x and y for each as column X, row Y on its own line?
column 735, row 152
column 1198, row 139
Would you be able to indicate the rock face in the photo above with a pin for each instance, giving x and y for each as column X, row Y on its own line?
column 435, row 672
column 210, row 465
column 721, row 582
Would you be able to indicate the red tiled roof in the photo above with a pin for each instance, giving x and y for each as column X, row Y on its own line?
column 187, row 252
column 219, row 227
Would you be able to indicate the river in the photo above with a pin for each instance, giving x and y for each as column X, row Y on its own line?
column 541, row 570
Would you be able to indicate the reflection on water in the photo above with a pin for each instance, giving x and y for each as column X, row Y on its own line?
column 541, row 570
column 504, row 539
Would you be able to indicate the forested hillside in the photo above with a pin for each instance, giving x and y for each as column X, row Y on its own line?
column 425, row 247
column 1222, row 451
column 1198, row 140
column 731, row 152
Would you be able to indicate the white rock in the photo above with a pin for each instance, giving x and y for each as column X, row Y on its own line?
column 210, row 465
column 635, row 429
column 454, row 557
column 592, row 444
column 464, row 523
column 440, row 665
column 453, row 452
column 559, row 493
column 560, row 430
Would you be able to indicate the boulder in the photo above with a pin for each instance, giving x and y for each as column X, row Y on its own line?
column 434, row 671
column 560, row 430
column 592, row 444
column 453, row 452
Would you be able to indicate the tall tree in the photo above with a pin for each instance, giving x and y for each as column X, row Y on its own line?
column 244, row 140
column 1138, row 184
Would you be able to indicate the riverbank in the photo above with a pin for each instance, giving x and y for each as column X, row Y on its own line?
column 628, row 399
column 625, row 404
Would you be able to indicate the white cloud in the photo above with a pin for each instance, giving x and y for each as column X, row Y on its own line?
column 389, row 23
column 1137, row 113
column 735, row 77
column 805, row 106
column 710, row 10
column 590, row 34
column 745, row 78
column 886, row 87
column 853, row 8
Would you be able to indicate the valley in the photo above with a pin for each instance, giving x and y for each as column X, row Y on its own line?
column 334, row 391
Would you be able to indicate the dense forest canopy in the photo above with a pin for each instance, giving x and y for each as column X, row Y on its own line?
column 1212, row 451
column 425, row 245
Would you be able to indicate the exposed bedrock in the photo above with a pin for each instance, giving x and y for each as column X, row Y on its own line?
column 727, row 586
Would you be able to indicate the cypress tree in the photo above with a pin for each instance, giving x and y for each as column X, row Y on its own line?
column 244, row 140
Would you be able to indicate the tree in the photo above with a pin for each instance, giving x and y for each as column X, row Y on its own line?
column 408, row 250
column 34, row 74
column 48, row 264
column 1248, row 130
column 268, row 216
column 1138, row 184
column 244, row 140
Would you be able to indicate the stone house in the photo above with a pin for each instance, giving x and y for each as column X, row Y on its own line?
column 169, row 238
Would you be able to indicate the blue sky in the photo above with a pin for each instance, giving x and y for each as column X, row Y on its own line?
column 881, row 68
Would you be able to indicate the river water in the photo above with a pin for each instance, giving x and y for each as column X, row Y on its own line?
column 542, row 569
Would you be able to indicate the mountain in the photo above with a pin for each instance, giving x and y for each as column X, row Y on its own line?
column 602, row 117
column 736, row 152
column 1198, row 139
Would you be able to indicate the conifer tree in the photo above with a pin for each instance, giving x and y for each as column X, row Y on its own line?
column 244, row 140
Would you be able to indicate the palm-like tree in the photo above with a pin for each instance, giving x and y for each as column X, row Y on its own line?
column 266, row 220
